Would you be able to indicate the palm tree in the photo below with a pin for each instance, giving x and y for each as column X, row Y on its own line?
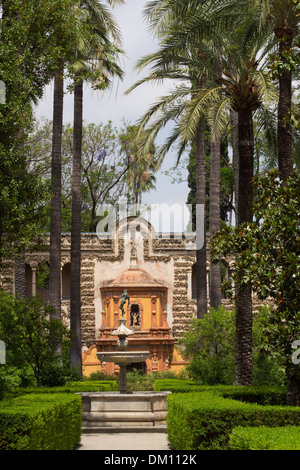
column 140, row 166
column 240, row 87
column 183, row 66
column 96, row 56
column 75, row 297
column 282, row 17
column 214, row 208
column 55, row 222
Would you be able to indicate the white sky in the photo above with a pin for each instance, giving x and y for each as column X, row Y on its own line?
column 114, row 105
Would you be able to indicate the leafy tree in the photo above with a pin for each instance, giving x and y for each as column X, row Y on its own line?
column 196, row 35
column 28, row 57
column 101, row 52
column 29, row 335
column 208, row 345
column 141, row 167
column 268, row 258
column 106, row 163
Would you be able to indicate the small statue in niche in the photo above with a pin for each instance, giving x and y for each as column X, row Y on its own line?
column 135, row 318
column 124, row 297
column 133, row 255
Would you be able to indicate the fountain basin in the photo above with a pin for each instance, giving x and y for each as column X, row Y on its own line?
column 123, row 357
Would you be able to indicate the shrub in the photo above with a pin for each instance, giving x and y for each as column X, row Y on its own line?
column 208, row 345
column 74, row 387
column 98, row 376
column 53, row 375
column 30, row 337
column 204, row 420
column 212, row 370
column 176, row 385
column 265, row 438
column 260, row 395
column 41, row 422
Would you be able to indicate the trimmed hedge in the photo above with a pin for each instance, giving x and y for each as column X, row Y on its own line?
column 265, row 438
column 176, row 385
column 205, row 420
column 74, row 387
column 41, row 422
column 260, row 395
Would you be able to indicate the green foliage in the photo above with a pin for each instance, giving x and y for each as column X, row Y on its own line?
column 209, row 346
column 11, row 378
column 52, row 375
column 204, row 421
column 72, row 387
column 212, row 334
column 110, row 167
column 29, row 54
column 31, row 338
column 268, row 257
column 137, row 381
column 41, row 422
column 264, row 395
column 177, row 386
column 264, row 438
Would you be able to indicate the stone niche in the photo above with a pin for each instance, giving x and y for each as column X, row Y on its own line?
column 145, row 315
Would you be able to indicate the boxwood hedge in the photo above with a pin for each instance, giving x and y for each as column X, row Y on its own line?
column 205, row 420
column 265, row 438
column 74, row 387
column 261, row 395
column 41, row 422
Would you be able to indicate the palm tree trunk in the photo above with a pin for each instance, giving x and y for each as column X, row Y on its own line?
column 243, row 372
column 200, row 209
column 285, row 157
column 214, row 207
column 75, row 300
column 55, row 224
column 214, row 221
column 235, row 160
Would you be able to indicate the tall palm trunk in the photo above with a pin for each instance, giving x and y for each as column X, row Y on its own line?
column 214, row 221
column 243, row 372
column 214, row 207
column 200, row 219
column 55, row 224
column 285, row 157
column 235, row 160
column 75, row 299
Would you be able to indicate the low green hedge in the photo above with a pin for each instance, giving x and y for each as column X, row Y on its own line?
column 204, row 420
column 175, row 385
column 265, row 438
column 74, row 387
column 41, row 422
column 260, row 395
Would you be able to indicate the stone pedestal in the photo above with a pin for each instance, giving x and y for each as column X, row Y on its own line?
column 119, row 412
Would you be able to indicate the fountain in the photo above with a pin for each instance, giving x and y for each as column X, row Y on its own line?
column 122, row 357
column 121, row 410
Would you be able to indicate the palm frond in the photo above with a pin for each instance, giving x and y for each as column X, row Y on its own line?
column 196, row 110
column 219, row 116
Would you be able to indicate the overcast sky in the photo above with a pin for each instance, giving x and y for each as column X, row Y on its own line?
column 114, row 105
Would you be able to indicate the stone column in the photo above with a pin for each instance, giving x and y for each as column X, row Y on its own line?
column 33, row 266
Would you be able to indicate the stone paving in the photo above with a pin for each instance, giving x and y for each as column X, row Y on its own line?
column 124, row 441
